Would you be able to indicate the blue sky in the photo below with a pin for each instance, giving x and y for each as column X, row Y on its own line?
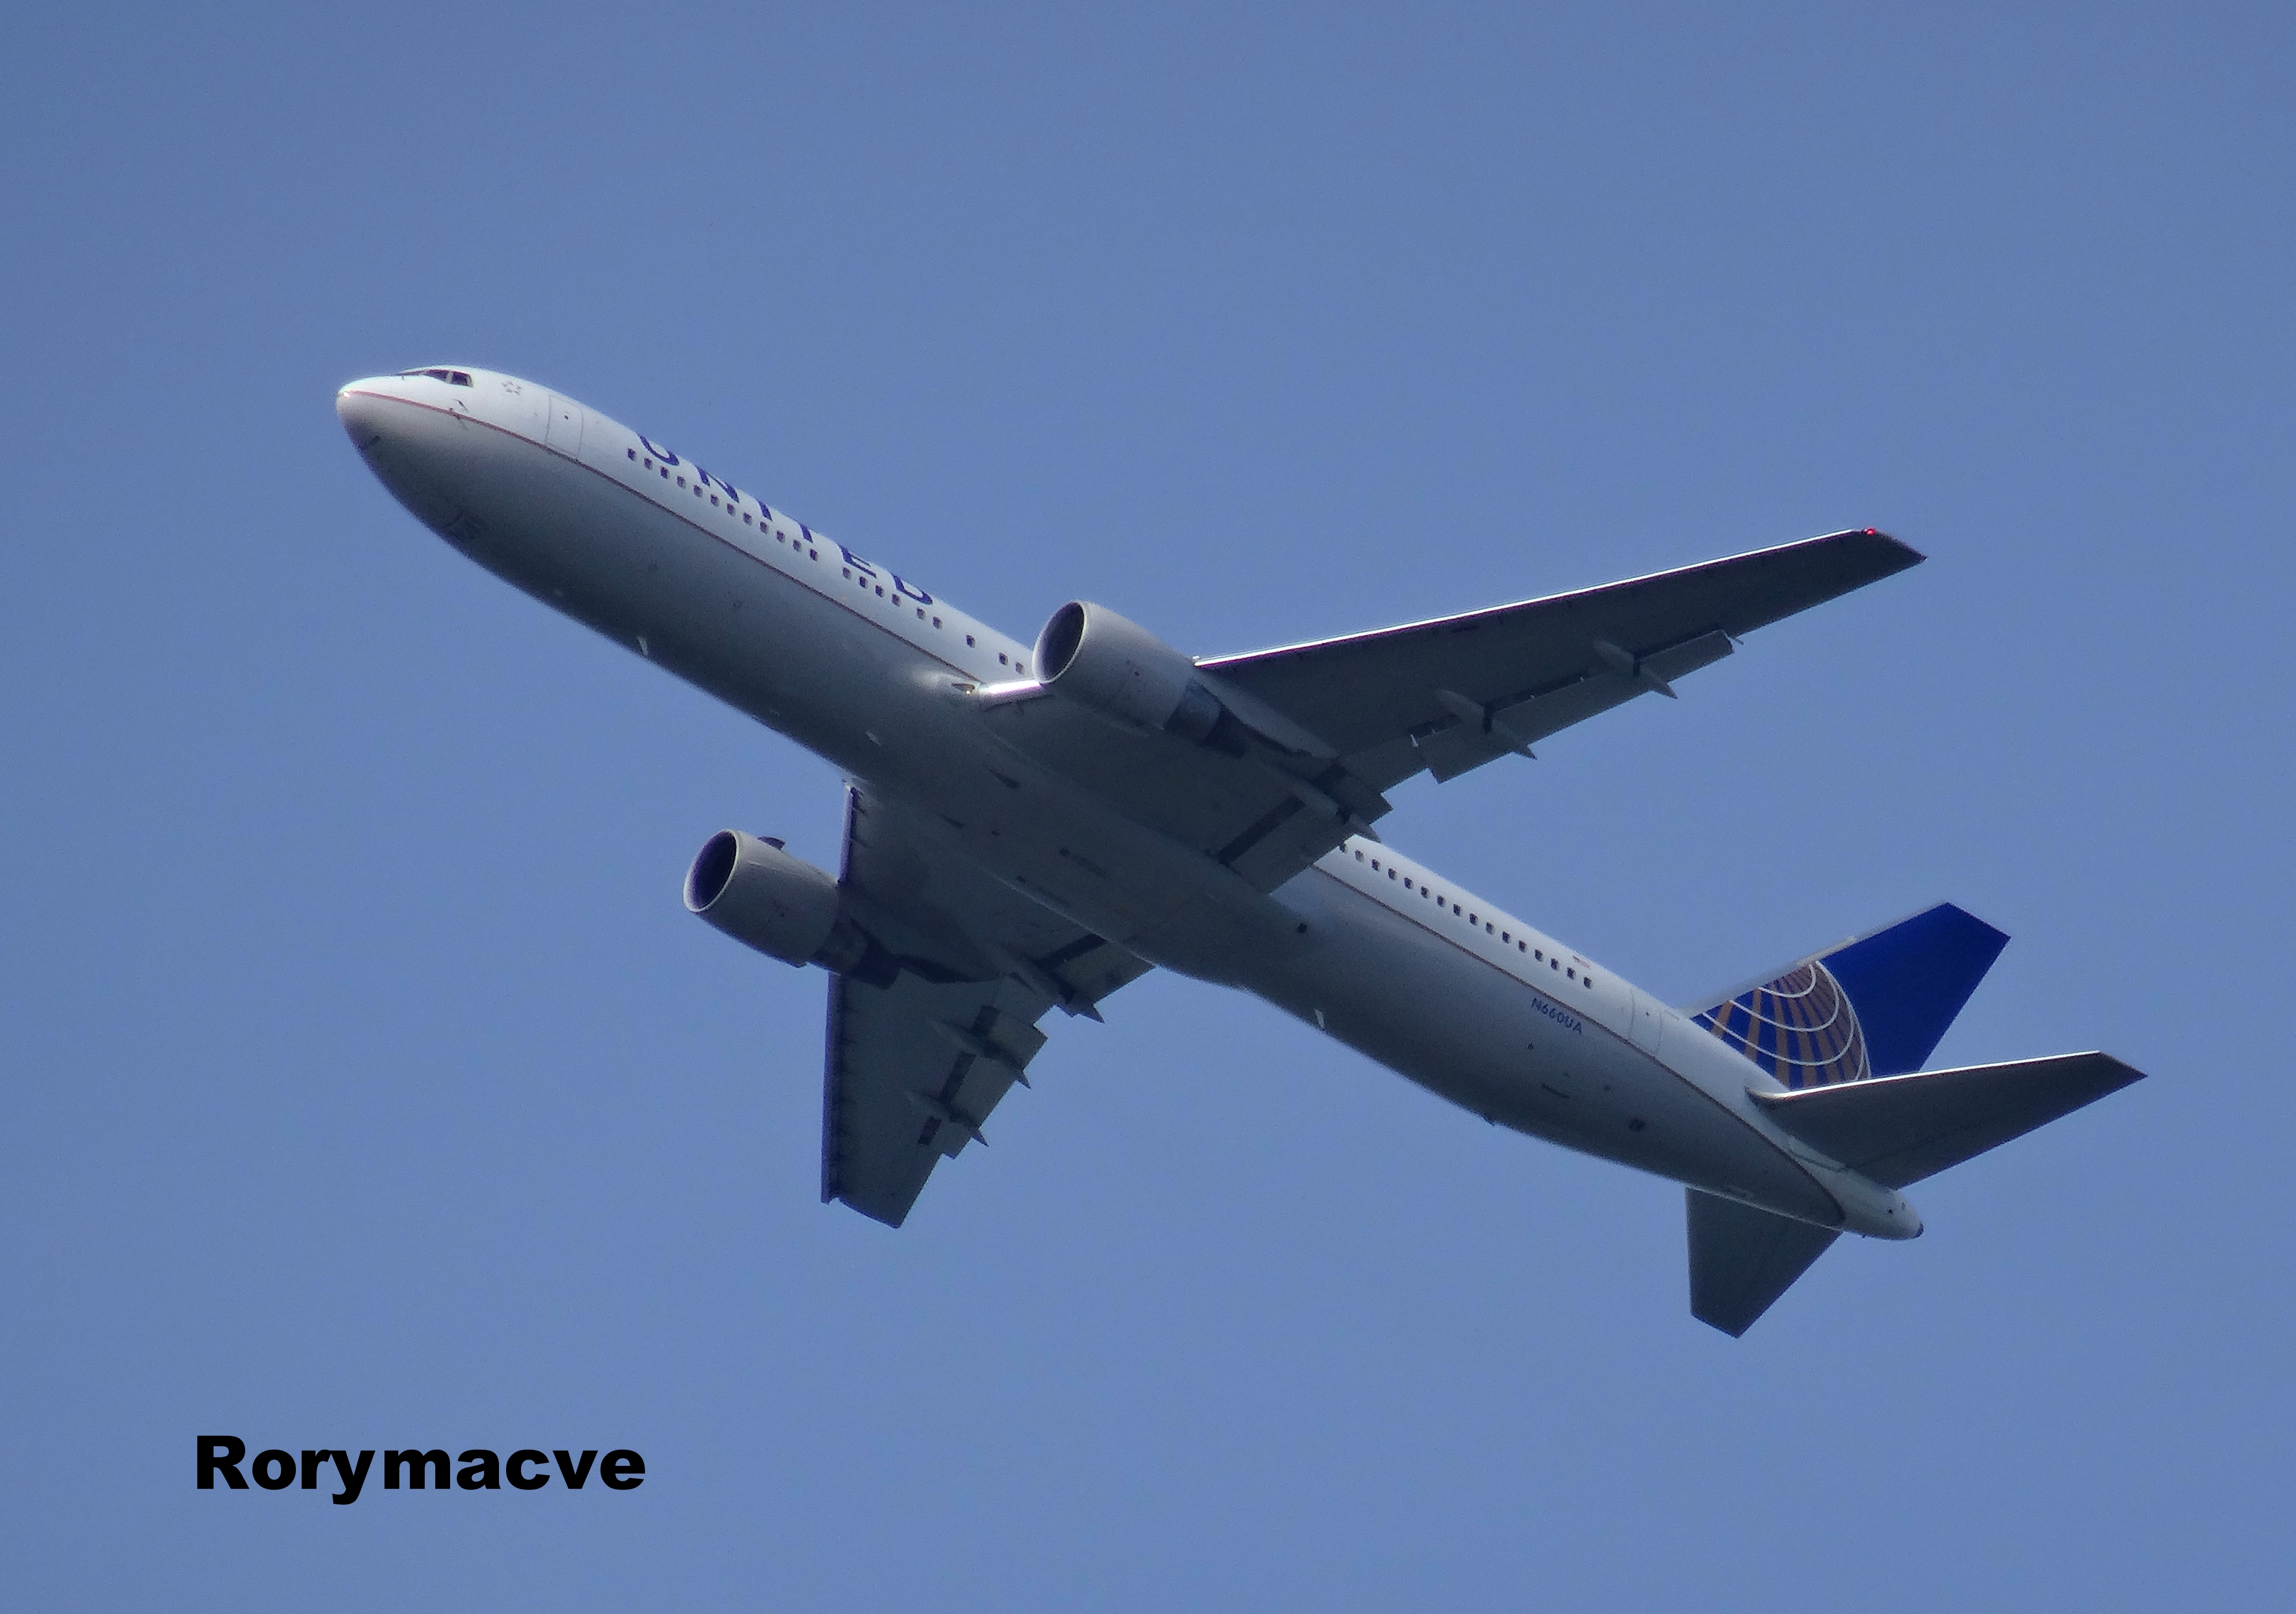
column 367, row 1086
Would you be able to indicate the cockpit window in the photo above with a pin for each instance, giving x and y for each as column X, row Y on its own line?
column 452, row 378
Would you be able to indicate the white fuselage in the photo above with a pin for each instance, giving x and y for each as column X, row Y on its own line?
column 887, row 681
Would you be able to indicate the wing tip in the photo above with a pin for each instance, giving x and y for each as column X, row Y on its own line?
column 1890, row 554
column 2117, row 1071
column 890, row 1215
column 1727, row 1323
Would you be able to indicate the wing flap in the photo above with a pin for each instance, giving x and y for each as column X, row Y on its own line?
column 913, row 1070
column 1516, row 724
column 902, row 1094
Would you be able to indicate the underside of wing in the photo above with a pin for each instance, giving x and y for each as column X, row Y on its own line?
column 1265, row 814
column 1452, row 694
column 914, row 1069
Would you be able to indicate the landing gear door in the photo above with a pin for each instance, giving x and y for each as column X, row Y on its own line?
column 1646, row 1024
column 565, row 427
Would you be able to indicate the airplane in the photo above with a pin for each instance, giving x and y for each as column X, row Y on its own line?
column 1032, row 825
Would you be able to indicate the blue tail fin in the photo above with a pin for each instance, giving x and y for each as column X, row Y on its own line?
column 1875, row 1006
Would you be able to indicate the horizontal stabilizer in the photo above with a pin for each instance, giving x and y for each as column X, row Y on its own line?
column 1741, row 1259
column 1898, row 1130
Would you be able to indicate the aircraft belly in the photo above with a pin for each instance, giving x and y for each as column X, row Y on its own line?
column 1452, row 1023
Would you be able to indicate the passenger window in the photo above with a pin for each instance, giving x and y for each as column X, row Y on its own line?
column 633, row 453
column 1002, row 660
column 1523, row 947
column 968, row 639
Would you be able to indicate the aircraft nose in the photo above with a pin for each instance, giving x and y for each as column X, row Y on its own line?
column 362, row 413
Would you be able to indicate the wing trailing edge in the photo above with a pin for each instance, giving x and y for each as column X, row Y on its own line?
column 1452, row 692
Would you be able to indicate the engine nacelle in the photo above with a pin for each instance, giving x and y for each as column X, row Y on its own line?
column 1119, row 670
column 782, row 906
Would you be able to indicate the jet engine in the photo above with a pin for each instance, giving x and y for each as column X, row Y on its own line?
column 1121, row 671
column 784, row 907
column 1118, row 670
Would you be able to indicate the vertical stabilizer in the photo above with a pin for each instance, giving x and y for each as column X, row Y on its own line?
column 1741, row 1259
column 1875, row 1006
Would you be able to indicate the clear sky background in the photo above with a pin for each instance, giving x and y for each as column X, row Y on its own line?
column 365, row 1084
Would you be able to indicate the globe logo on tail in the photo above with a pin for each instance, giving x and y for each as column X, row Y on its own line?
column 1800, row 1028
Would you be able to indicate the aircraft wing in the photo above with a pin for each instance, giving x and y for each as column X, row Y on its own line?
column 1452, row 694
column 1446, row 696
column 914, row 1068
